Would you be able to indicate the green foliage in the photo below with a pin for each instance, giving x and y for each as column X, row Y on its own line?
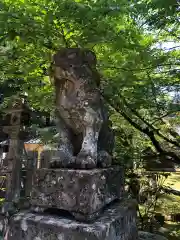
column 137, row 75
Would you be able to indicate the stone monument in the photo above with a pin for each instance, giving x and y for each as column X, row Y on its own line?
column 80, row 195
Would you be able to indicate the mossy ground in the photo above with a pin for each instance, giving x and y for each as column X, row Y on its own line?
column 170, row 204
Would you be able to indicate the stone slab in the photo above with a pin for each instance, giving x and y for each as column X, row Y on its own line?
column 84, row 193
column 117, row 223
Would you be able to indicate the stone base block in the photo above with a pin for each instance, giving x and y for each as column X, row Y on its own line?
column 117, row 223
column 84, row 193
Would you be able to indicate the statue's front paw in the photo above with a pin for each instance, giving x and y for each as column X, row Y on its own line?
column 86, row 160
column 104, row 159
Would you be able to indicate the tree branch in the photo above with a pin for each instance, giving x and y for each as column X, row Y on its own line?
column 145, row 130
column 140, row 69
column 157, row 131
column 64, row 37
column 163, row 116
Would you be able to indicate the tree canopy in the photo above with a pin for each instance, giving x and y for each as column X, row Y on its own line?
column 136, row 43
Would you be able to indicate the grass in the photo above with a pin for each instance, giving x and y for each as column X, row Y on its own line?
column 170, row 204
column 173, row 231
column 173, row 181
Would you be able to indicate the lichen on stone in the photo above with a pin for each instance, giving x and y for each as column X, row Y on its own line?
column 24, row 225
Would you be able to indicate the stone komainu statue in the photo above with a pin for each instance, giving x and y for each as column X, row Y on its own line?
column 85, row 138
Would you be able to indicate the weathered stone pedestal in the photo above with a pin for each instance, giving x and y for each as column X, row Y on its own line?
column 118, row 222
column 71, row 204
column 83, row 193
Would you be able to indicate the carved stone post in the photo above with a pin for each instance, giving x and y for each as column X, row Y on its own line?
column 13, row 158
column 31, row 166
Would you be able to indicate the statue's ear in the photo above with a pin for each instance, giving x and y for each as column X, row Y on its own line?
column 90, row 57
